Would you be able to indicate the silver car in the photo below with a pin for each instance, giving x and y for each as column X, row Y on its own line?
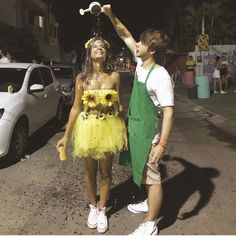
column 66, row 75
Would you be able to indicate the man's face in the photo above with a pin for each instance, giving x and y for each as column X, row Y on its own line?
column 141, row 49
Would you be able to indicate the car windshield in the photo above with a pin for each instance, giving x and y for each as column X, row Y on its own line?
column 11, row 79
column 63, row 73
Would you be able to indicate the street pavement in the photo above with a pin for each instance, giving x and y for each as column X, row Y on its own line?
column 218, row 109
column 43, row 195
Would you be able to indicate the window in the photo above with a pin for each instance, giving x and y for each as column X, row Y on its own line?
column 35, row 78
column 63, row 72
column 41, row 21
column 11, row 76
column 47, row 76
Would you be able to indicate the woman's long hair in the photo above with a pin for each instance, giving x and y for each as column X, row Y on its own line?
column 87, row 67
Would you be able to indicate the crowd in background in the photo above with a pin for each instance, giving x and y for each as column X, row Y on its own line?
column 5, row 56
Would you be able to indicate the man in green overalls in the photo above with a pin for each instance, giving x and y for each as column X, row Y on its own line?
column 152, row 97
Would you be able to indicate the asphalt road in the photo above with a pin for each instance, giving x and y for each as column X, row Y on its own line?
column 42, row 195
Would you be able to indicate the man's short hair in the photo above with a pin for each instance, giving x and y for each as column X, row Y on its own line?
column 156, row 42
column 154, row 39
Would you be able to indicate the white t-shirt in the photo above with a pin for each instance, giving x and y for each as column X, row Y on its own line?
column 160, row 86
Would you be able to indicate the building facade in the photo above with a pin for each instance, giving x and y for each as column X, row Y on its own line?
column 37, row 16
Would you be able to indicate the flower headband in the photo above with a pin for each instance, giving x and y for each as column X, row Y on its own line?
column 91, row 40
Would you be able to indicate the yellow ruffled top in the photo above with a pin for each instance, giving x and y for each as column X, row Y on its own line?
column 105, row 97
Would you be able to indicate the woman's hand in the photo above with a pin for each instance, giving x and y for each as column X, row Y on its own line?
column 62, row 143
column 156, row 154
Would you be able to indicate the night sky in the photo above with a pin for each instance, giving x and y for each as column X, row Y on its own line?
column 137, row 15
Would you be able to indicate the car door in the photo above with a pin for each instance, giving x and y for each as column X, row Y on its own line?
column 52, row 92
column 35, row 102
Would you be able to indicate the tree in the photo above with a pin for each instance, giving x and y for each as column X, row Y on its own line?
column 21, row 43
column 215, row 12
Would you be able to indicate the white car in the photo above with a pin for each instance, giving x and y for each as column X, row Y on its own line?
column 30, row 96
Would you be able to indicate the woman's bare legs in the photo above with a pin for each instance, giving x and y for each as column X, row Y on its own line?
column 220, row 84
column 105, row 168
column 91, row 167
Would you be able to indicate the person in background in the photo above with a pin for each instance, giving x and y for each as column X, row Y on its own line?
column 189, row 74
column 3, row 56
column 132, row 68
column 216, row 76
column 152, row 97
column 190, row 64
column 224, row 75
column 96, row 127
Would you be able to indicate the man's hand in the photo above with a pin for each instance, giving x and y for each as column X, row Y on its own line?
column 106, row 9
column 156, row 154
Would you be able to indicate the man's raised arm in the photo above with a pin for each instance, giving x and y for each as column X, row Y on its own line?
column 121, row 30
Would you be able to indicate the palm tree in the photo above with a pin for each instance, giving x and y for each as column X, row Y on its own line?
column 179, row 27
column 184, row 21
column 193, row 16
column 214, row 11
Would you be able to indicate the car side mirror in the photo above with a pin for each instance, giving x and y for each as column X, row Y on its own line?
column 36, row 88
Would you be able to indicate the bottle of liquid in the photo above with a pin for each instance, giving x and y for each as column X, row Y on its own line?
column 62, row 153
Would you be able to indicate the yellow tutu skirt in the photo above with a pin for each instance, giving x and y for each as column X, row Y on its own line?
column 95, row 137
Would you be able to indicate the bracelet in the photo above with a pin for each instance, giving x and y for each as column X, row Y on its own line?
column 163, row 144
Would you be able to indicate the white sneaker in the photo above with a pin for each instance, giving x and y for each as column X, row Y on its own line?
column 141, row 207
column 102, row 223
column 146, row 228
column 215, row 92
column 222, row 92
column 92, row 217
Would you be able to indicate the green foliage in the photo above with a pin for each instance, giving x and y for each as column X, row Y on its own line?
column 184, row 22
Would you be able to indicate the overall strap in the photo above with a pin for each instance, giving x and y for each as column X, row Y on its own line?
column 150, row 72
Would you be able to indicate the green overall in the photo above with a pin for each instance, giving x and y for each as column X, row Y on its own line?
column 142, row 123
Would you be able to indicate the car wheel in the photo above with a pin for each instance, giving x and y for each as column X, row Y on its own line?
column 19, row 140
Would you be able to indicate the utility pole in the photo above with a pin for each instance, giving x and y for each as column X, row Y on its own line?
column 203, row 17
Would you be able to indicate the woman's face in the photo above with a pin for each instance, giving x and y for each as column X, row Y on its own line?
column 98, row 50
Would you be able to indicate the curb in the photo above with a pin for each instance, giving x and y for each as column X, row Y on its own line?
column 215, row 119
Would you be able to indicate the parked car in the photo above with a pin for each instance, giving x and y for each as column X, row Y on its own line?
column 30, row 96
column 66, row 75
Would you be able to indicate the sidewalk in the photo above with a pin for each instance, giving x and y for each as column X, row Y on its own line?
column 220, row 110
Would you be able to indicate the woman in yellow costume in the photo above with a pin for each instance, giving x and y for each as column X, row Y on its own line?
column 96, row 127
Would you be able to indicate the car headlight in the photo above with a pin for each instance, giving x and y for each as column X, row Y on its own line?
column 1, row 112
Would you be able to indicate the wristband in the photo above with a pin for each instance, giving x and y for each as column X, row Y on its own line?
column 163, row 144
